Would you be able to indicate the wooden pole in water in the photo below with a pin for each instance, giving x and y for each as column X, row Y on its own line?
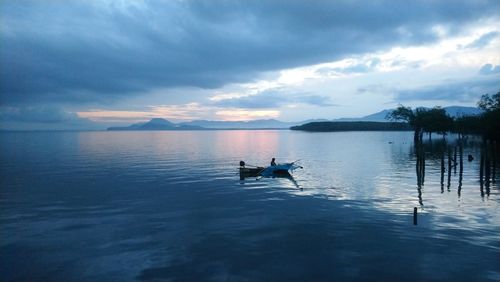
column 455, row 162
column 487, row 167
column 481, row 165
column 423, row 165
column 415, row 216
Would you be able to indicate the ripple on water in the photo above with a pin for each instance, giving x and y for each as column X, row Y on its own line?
column 171, row 205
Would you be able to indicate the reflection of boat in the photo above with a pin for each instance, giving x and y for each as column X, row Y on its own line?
column 287, row 175
column 274, row 171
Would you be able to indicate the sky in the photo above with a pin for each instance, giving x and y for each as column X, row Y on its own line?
column 68, row 64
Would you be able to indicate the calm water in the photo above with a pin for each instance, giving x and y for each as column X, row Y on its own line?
column 96, row 206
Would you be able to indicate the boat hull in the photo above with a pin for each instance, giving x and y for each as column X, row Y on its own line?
column 254, row 171
column 279, row 169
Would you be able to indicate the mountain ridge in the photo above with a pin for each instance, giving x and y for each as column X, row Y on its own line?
column 163, row 124
column 156, row 124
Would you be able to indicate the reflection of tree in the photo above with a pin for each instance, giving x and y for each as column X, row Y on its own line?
column 487, row 167
column 449, row 156
column 461, row 169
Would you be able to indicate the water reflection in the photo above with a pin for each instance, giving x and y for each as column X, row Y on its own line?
column 449, row 155
column 487, row 169
column 168, row 205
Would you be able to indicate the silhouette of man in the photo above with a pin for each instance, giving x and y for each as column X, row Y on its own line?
column 273, row 163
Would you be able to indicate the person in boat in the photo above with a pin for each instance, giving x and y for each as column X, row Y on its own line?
column 273, row 163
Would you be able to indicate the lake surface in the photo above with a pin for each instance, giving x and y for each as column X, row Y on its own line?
column 101, row 206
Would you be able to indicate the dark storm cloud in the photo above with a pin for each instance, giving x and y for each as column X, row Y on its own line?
column 463, row 91
column 274, row 98
column 39, row 114
column 86, row 51
column 484, row 40
column 488, row 69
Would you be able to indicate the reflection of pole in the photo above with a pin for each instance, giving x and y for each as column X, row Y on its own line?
column 461, row 170
column 494, row 154
column 449, row 169
column 455, row 161
column 442, row 171
column 415, row 216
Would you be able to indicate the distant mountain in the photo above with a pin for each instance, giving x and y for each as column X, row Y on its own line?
column 252, row 124
column 453, row 111
column 157, row 124
column 163, row 124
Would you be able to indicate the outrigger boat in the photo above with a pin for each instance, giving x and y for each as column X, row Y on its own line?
column 279, row 169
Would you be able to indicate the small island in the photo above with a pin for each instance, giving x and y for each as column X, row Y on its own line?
column 327, row 126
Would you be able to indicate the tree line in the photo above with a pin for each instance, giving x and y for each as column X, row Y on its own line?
column 436, row 120
column 326, row 126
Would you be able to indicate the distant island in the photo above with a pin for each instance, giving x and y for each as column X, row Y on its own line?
column 378, row 121
column 353, row 126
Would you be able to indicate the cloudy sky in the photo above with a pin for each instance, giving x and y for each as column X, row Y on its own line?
column 89, row 64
